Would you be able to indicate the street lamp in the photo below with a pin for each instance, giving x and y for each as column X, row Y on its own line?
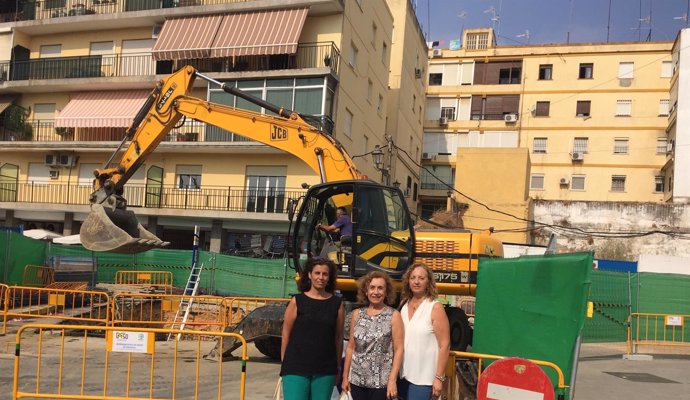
column 377, row 155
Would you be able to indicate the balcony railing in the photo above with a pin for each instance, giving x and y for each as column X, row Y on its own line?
column 206, row 198
column 309, row 55
column 190, row 131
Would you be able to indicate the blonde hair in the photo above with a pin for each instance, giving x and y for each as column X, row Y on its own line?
column 431, row 289
column 364, row 282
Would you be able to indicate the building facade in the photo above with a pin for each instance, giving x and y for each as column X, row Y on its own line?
column 75, row 73
column 593, row 117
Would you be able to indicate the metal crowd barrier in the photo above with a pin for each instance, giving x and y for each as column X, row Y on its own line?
column 71, row 305
column 162, row 279
column 38, row 276
column 131, row 309
column 454, row 356
column 239, row 307
column 121, row 363
column 658, row 330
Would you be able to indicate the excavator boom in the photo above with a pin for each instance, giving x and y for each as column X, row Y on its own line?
column 111, row 227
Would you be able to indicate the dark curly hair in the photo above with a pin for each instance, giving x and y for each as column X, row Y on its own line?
column 363, row 285
column 304, row 281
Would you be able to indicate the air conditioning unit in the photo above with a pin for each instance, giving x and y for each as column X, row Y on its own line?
column 510, row 118
column 443, row 121
column 156, row 31
column 437, row 52
column 67, row 160
column 51, row 159
column 577, row 156
column 54, row 173
column 564, row 181
column 426, row 156
column 417, row 73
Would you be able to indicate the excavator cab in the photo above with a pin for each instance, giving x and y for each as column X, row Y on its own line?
column 382, row 230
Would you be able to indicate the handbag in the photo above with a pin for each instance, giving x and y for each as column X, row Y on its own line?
column 278, row 394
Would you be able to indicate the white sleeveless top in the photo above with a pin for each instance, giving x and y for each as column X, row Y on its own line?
column 421, row 346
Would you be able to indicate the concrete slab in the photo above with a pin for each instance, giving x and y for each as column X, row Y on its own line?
column 638, row 357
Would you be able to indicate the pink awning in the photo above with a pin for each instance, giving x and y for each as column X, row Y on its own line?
column 259, row 33
column 102, row 109
column 186, row 38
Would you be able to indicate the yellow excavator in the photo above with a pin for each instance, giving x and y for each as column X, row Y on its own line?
column 383, row 236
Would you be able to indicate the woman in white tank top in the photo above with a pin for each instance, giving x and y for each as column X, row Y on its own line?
column 427, row 336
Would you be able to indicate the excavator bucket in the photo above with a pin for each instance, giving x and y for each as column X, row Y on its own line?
column 116, row 231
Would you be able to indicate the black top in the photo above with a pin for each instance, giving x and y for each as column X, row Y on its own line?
column 311, row 349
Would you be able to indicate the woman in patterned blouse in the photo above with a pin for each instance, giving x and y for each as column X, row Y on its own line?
column 375, row 349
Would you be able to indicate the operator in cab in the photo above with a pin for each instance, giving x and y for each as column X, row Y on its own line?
column 342, row 225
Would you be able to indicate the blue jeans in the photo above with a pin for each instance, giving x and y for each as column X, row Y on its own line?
column 410, row 391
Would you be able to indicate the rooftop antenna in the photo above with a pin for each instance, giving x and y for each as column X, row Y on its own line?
column 608, row 26
column 495, row 19
column 463, row 16
column 525, row 35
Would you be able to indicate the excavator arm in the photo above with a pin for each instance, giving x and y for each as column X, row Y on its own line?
column 111, row 227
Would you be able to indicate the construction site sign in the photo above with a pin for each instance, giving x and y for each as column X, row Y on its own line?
column 130, row 342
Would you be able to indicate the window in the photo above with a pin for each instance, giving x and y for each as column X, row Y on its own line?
column 577, row 182
column 414, row 101
column 347, row 128
column 618, row 183
column 438, row 177
column 448, row 112
column 429, row 208
column 49, row 51
column 659, row 184
column 379, row 105
column 188, row 177
column 374, row 30
column 539, row 145
column 509, row 75
column 586, row 71
column 266, row 188
column 583, row 108
column 542, row 109
column 623, row 108
column 435, row 79
column 666, row 69
column 476, row 41
column 661, row 145
column 370, row 90
column 620, row 146
column 625, row 70
column 580, row 144
column 664, row 107
column 384, row 53
column 352, row 59
column 536, row 182
column 670, row 183
column 545, row 72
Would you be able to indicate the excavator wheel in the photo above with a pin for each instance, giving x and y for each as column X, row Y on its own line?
column 460, row 330
column 269, row 346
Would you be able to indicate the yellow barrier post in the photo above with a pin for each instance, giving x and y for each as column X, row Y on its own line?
column 657, row 329
column 5, row 304
column 132, row 348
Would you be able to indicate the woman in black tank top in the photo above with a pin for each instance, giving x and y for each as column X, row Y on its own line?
column 312, row 334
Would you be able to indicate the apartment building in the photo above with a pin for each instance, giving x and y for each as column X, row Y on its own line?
column 75, row 72
column 593, row 117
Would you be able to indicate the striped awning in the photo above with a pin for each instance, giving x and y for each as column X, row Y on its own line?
column 259, row 33
column 186, row 38
column 102, row 109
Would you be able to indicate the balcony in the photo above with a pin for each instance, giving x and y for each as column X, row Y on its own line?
column 309, row 55
column 237, row 199
column 190, row 131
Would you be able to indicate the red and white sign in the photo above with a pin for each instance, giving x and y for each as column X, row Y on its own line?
column 514, row 379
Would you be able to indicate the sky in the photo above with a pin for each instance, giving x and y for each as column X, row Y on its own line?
column 554, row 21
